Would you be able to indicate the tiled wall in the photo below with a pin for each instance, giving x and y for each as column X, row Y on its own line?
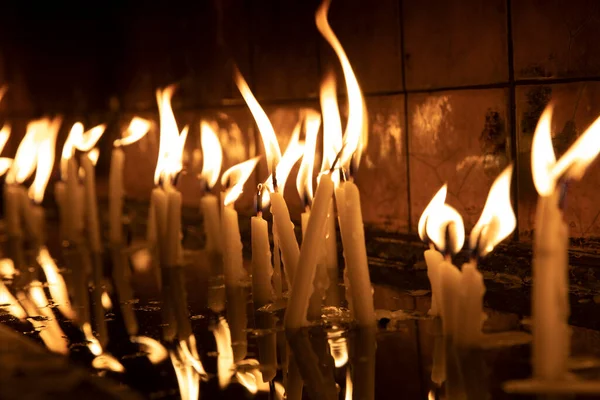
column 453, row 88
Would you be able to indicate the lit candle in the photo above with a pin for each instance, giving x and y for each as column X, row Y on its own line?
column 236, row 278
column 550, row 309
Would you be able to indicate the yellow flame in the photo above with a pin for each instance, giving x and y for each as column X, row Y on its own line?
column 90, row 138
column 188, row 368
column 46, row 149
column 212, row 154
column 339, row 349
column 155, row 351
column 171, row 145
column 74, row 137
column 497, row 219
column 225, row 364
column 431, row 395
column 250, row 377
column 92, row 343
column 7, row 268
column 332, row 125
column 26, row 157
column 93, row 155
column 572, row 165
column 304, row 179
column 50, row 332
column 56, row 283
column 5, row 164
column 445, row 219
column 349, row 385
column 8, row 301
column 137, row 129
column 267, row 133
column 437, row 201
column 355, row 138
column 107, row 362
column 235, row 178
column 106, row 301
column 4, row 135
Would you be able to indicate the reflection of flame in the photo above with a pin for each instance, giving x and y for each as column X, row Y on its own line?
column 137, row 129
column 212, row 154
column 304, row 182
column 431, row 395
column 56, row 283
column 355, row 137
column 332, row 125
column 349, row 386
column 437, row 201
column 187, row 368
column 92, row 343
column 155, row 351
column 50, row 332
column 74, row 137
column 106, row 301
column 267, row 133
column 546, row 170
column 4, row 135
column 7, row 268
column 225, row 364
column 446, row 220
column 8, row 301
column 339, row 348
column 45, row 158
column 171, row 145
column 107, row 362
column 250, row 377
column 235, row 177
column 497, row 219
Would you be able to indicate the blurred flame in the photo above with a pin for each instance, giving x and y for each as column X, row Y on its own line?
column 92, row 343
column 437, row 201
column 137, row 129
column 349, row 385
column 445, row 219
column 304, row 180
column 497, row 219
column 46, row 149
column 339, row 349
column 212, row 154
column 188, row 368
column 50, row 332
column 5, row 164
column 89, row 138
column 106, row 301
column 155, row 351
column 225, row 364
column 431, row 395
column 235, row 177
column 26, row 157
column 250, row 377
column 355, row 136
column 74, row 137
column 93, row 155
column 8, row 301
column 56, row 283
column 141, row 260
column 332, row 125
column 546, row 170
column 170, row 151
column 267, row 133
column 7, row 268
column 4, row 135
column 107, row 362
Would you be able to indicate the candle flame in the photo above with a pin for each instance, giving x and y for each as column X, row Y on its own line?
column 25, row 159
column 349, row 385
column 106, row 301
column 339, row 348
column 7, row 268
column 267, row 132
column 304, row 180
column 5, row 164
column 50, row 332
column 497, row 219
column 56, row 283
column 171, row 145
column 92, row 343
column 107, row 362
column 88, row 139
column 188, row 368
column 4, row 135
column 235, row 177
column 355, row 136
column 155, row 351
column 212, row 154
column 249, row 375
column 546, row 170
column 437, row 201
column 8, row 302
column 46, row 149
column 137, row 129
column 225, row 364
column 332, row 125
column 445, row 228
column 74, row 137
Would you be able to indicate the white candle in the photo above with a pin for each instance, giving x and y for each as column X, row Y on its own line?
column 60, row 195
column 433, row 259
column 209, row 204
column 316, row 298
column 12, row 210
column 295, row 316
column 173, row 231
column 74, row 203
column 115, row 199
column 551, row 334
column 355, row 253
column 158, row 209
column 471, row 316
column 450, row 293
column 331, row 259
column 262, row 291
column 290, row 252
column 277, row 280
column 93, row 227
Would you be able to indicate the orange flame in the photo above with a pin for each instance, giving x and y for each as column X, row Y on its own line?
column 225, row 364
column 107, row 362
column 46, row 149
column 25, row 159
column 155, row 351
column 188, row 368
column 56, row 283
column 4, row 135
column 267, row 133
column 50, row 332
column 546, row 170
column 137, row 129
column 7, row 268
column 106, row 301
column 355, row 136
column 497, row 219
column 89, row 138
column 235, row 177
column 212, row 154
column 74, row 137
column 171, row 145
column 446, row 220
column 332, row 125
column 8, row 301
column 5, row 164
column 437, row 201
column 349, row 385
column 339, row 348
column 304, row 179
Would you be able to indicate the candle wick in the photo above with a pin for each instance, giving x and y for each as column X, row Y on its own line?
column 337, row 158
column 563, row 186
column 258, row 200
column 273, row 167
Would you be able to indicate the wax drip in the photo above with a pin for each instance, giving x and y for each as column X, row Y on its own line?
column 258, row 200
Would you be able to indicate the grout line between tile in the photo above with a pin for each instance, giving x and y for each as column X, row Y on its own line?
column 406, row 123
column 512, row 108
